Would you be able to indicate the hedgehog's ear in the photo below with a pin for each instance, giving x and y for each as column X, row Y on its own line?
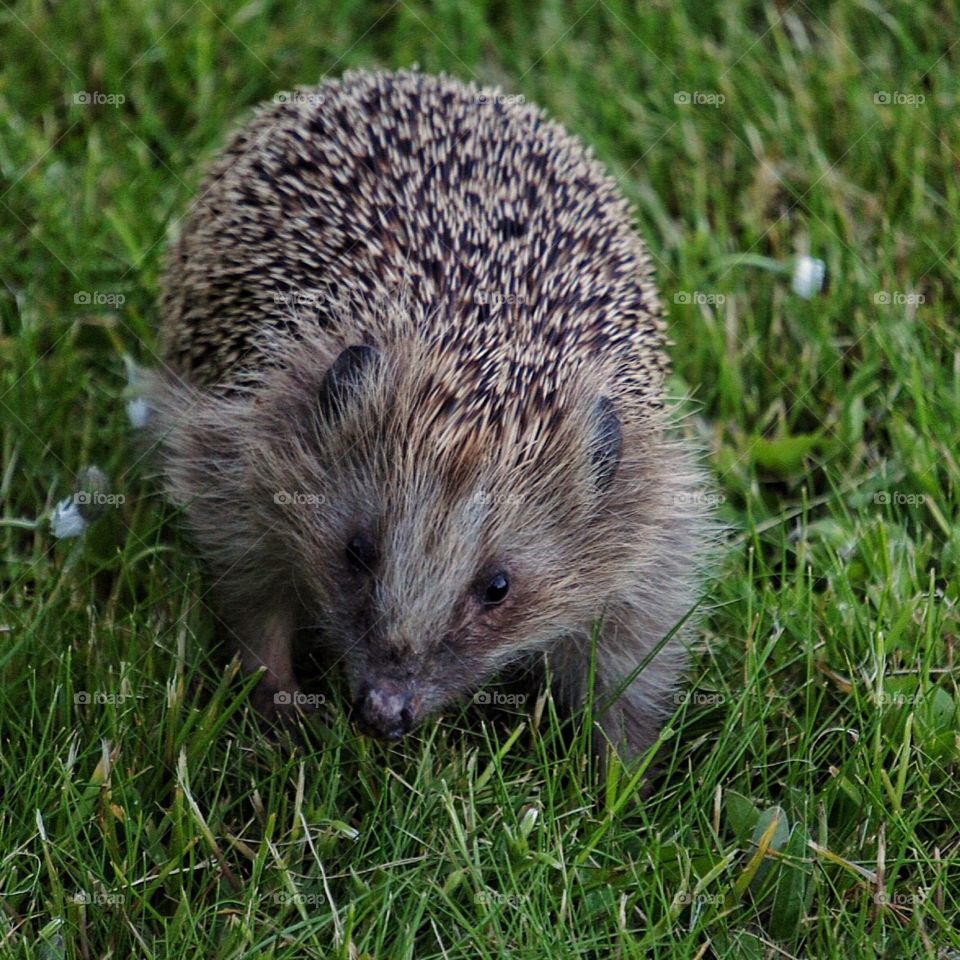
column 344, row 377
column 607, row 442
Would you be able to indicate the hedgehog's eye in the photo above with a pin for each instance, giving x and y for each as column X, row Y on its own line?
column 496, row 590
column 361, row 554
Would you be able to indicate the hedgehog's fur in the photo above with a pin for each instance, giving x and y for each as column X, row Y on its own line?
column 510, row 416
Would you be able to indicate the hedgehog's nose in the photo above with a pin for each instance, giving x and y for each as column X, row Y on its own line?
column 387, row 710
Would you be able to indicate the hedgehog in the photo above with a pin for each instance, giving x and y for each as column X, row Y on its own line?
column 413, row 403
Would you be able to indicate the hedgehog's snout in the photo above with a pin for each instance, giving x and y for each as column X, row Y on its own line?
column 388, row 709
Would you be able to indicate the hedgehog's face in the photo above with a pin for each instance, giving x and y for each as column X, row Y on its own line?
column 434, row 566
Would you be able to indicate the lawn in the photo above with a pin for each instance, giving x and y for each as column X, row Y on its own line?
column 805, row 803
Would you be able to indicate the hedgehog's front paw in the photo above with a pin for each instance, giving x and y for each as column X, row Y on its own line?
column 265, row 648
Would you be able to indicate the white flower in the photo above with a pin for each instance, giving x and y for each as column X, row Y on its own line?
column 138, row 412
column 809, row 275
column 67, row 521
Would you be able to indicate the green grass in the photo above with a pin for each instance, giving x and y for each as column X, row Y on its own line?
column 807, row 803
